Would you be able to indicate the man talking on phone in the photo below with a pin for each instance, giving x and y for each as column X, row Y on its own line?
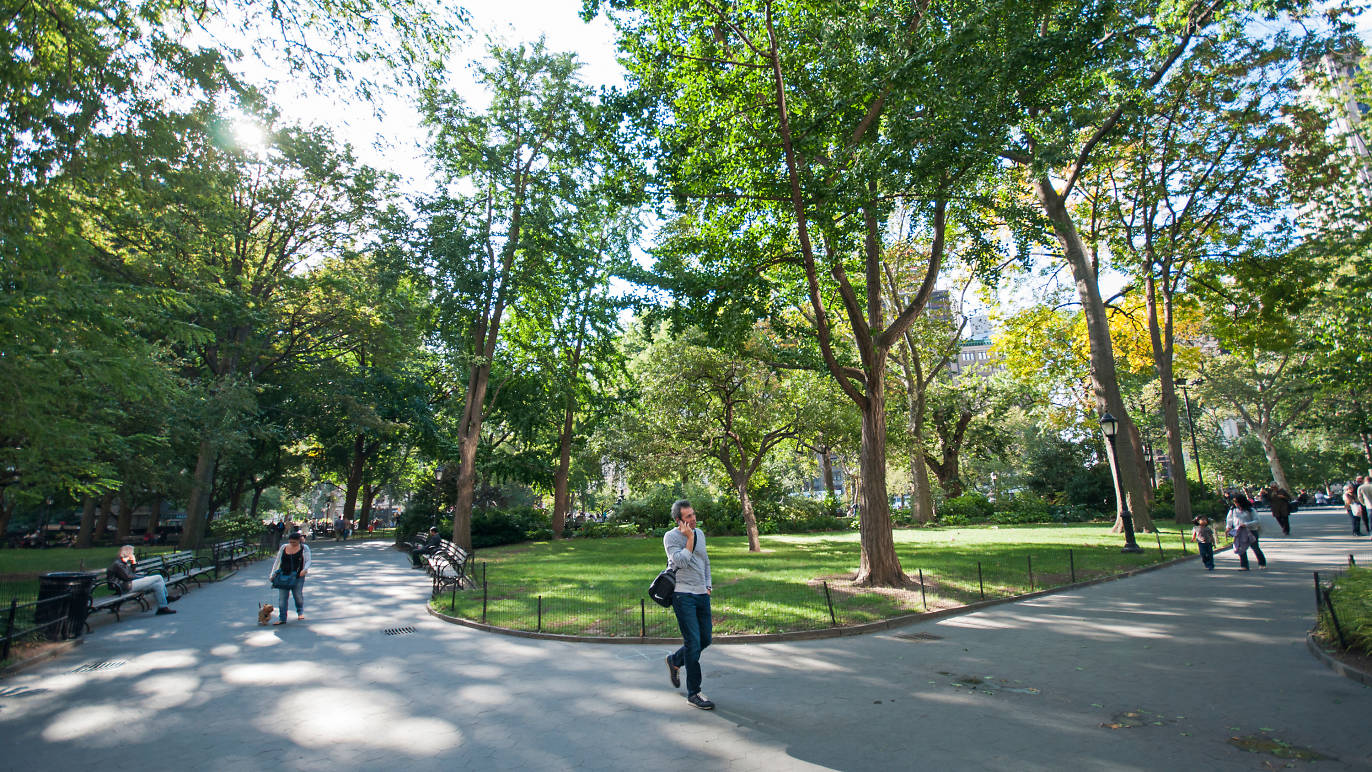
column 685, row 545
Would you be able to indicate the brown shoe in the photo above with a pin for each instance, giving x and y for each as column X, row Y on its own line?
column 673, row 672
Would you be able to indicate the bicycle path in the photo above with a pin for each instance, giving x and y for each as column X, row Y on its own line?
column 1157, row 671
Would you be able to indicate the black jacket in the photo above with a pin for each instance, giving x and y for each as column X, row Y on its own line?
column 120, row 576
column 431, row 543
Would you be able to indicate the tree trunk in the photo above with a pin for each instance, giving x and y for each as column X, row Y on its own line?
column 368, row 496
column 102, row 523
column 236, row 496
column 1269, row 447
column 922, row 506
column 154, row 514
column 256, row 497
column 6, row 512
column 1367, row 448
column 1160, row 332
column 879, row 566
column 124, row 524
column 1104, row 378
column 740, row 478
column 561, row 477
column 469, row 435
column 201, row 482
column 83, row 536
column 354, row 477
column 826, row 470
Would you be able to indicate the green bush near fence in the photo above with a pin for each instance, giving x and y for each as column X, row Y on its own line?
column 598, row 586
column 1351, row 596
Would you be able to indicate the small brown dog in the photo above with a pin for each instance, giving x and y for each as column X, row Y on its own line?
column 264, row 613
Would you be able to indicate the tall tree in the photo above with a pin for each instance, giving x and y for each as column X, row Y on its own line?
column 789, row 134
column 1200, row 184
column 524, row 159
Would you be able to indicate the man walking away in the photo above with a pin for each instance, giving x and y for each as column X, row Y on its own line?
column 685, row 545
column 1365, row 499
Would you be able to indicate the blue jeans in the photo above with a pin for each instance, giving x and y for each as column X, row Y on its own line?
column 156, row 583
column 284, row 597
column 1207, row 553
column 693, row 617
column 1243, row 554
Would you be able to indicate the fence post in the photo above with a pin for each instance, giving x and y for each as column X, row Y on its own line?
column 642, row 618
column 922, row 598
column 9, row 627
column 1317, row 595
column 829, row 599
column 1031, row 572
column 1351, row 563
column 483, row 593
column 1182, row 534
column 540, row 613
column 453, row 600
column 980, row 585
column 1158, row 535
column 1072, row 566
column 1335, row 619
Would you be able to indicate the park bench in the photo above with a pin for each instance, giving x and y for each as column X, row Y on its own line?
column 230, row 553
column 116, row 601
column 449, row 567
column 181, row 568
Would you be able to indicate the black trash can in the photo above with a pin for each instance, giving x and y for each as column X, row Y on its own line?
column 78, row 584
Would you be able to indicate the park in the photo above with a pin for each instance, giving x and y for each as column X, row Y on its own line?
column 975, row 384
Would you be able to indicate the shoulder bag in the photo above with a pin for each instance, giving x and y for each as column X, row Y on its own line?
column 663, row 587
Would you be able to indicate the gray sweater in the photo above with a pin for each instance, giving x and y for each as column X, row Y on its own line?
column 692, row 567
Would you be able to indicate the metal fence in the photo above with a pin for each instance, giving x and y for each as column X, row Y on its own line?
column 759, row 606
column 43, row 622
column 1326, row 613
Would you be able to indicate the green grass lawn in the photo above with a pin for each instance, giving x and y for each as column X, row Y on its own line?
column 595, row 586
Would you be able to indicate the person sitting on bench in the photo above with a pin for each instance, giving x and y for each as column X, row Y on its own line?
column 121, row 575
column 430, row 544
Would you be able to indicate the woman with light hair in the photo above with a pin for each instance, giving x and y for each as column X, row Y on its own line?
column 123, row 579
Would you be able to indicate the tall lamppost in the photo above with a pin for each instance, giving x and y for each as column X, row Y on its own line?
column 438, row 483
column 1111, row 426
column 1182, row 383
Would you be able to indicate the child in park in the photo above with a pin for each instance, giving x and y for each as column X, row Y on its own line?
column 1204, row 537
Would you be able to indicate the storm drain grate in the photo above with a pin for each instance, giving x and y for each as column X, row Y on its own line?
column 398, row 630
column 109, row 664
column 919, row 637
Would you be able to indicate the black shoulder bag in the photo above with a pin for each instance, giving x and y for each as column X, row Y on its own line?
column 663, row 587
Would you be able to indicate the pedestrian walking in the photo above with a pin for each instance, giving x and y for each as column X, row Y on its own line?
column 1204, row 537
column 1365, row 498
column 1353, row 508
column 288, row 576
column 1280, row 501
column 685, row 546
column 1242, row 524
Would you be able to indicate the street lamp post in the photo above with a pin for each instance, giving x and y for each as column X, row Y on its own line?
column 1111, row 426
column 438, row 481
column 1191, row 424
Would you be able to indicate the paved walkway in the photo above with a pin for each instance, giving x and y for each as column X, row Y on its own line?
column 1196, row 657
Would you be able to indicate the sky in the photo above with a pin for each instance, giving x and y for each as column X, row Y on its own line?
column 395, row 140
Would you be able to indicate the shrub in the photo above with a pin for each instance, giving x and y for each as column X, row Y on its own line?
column 1025, row 508
column 970, row 507
column 236, row 527
column 494, row 527
column 1073, row 513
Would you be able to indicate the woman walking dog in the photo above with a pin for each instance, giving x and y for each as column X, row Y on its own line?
column 288, row 576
